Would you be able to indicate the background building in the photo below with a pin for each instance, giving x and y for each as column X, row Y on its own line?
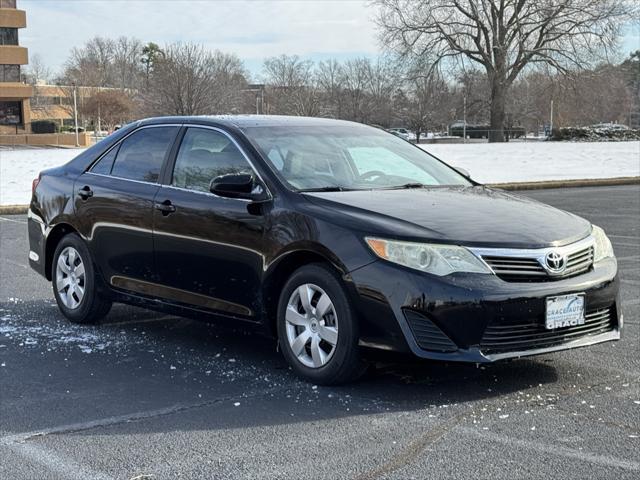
column 14, row 94
column 55, row 103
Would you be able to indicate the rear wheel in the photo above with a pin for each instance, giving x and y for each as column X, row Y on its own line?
column 74, row 282
column 317, row 329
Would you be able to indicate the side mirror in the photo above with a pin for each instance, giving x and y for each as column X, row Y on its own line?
column 238, row 186
column 463, row 172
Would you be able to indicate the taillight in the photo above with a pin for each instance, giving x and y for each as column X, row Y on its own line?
column 34, row 184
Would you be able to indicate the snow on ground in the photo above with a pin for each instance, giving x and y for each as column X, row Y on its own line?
column 539, row 161
column 487, row 163
column 18, row 168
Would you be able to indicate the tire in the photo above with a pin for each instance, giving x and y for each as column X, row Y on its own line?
column 81, row 303
column 316, row 359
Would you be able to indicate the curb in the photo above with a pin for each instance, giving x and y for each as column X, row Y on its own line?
column 587, row 182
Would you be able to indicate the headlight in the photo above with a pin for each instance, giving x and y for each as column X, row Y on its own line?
column 431, row 258
column 603, row 247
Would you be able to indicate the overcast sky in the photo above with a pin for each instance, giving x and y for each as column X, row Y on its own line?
column 253, row 29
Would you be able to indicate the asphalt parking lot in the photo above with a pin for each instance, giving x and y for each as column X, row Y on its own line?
column 151, row 396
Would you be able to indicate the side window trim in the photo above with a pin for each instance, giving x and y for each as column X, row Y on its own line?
column 167, row 176
column 113, row 148
column 119, row 143
column 166, row 173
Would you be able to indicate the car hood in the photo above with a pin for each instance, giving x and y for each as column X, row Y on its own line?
column 475, row 216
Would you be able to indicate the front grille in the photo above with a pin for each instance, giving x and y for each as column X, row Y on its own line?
column 530, row 336
column 514, row 269
column 427, row 334
column 529, row 269
column 579, row 262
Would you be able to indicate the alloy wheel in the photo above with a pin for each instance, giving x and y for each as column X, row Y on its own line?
column 70, row 278
column 312, row 325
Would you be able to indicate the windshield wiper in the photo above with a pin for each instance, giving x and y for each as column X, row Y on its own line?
column 407, row 185
column 325, row 189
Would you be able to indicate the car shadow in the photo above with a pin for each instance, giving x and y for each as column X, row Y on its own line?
column 170, row 360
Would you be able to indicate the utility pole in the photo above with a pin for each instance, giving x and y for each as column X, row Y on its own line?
column 75, row 114
column 551, row 121
column 464, row 119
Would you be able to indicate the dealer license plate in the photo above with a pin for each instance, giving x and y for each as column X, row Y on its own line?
column 564, row 311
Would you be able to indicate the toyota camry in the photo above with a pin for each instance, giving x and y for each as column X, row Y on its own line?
column 334, row 237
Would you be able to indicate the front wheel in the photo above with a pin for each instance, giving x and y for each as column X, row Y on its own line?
column 317, row 329
column 74, row 282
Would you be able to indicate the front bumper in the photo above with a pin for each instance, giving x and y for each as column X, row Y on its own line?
column 479, row 318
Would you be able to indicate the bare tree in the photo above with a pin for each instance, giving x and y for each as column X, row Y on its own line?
column 127, row 72
column 103, row 62
column 91, row 64
column 383, row 80
column 37, row 72
column 292, row 85
column 505, row 36
column 189, row 80
column 107, row 108
column 596, row 96
column 429, row 103
column 329, row 78
column 355, row 79
column 630, row 70
column 472, row 92
column 229, row 79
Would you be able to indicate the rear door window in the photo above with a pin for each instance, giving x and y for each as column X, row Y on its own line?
column 105, row 164
column 142, row 154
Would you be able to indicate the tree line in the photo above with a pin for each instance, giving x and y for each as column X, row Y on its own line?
column 499, row 63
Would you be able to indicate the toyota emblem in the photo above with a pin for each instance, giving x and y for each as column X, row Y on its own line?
column 555, row 262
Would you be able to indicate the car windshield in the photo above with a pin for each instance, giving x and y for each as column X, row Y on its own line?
column 352, row 157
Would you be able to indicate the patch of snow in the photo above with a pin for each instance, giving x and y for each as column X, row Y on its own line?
column 487, row 162
column 541, row 161
column 18, row 167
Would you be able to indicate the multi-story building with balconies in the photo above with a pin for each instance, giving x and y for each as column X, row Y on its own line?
column 14, row 94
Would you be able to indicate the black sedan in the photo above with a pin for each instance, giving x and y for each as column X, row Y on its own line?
column 332, row 236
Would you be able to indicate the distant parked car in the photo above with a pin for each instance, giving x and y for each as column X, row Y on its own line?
column 71, row 129
column 401, row 132
column 482, row 131
column 457, row 129
column 515, row 132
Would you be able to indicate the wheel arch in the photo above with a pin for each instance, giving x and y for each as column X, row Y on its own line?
column 282, row 268
column 54, row 237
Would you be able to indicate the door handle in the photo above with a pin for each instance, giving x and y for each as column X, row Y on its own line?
column 166, row 207
column 85, row 192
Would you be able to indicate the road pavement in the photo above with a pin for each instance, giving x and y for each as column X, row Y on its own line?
column 145, row 395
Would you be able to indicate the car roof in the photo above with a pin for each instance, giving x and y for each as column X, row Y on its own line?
column 246, row 121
